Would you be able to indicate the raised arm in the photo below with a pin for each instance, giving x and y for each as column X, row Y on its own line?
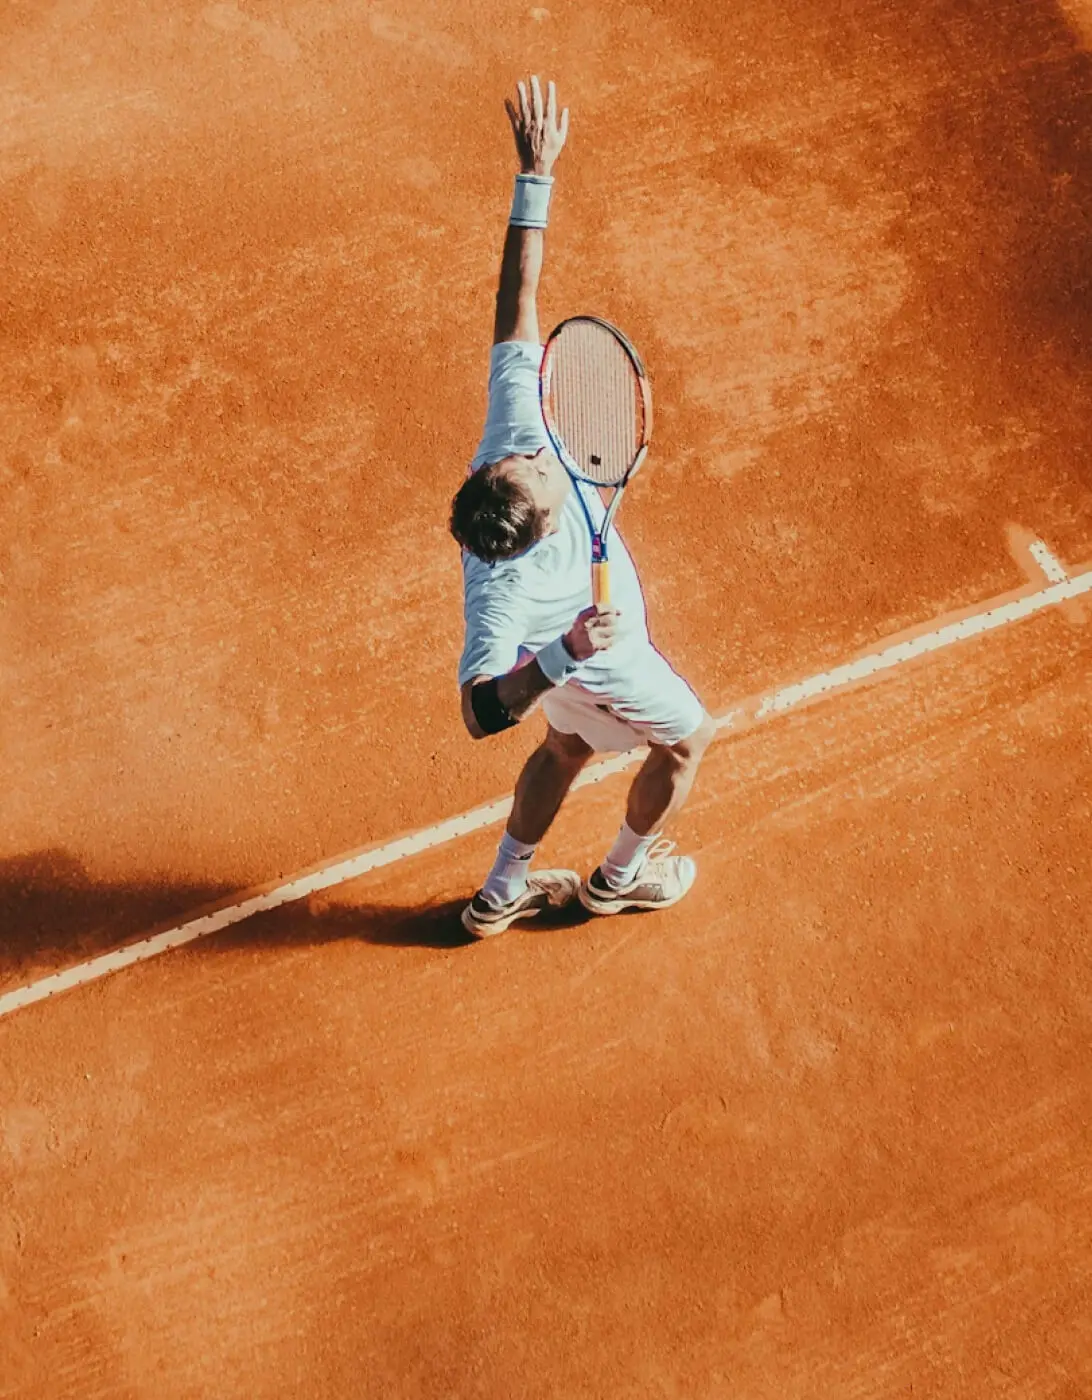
column 539, row 139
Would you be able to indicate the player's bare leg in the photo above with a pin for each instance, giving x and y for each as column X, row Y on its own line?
column 544, row 784
column 640, row 872
column 664, row 781
column 512, row 891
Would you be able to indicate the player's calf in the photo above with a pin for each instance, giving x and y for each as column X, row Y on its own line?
column 664, row 781
column 640, row 871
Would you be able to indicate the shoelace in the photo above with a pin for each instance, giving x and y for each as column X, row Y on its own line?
column 659, row 849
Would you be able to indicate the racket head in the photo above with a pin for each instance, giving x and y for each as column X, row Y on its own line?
column 596, row 400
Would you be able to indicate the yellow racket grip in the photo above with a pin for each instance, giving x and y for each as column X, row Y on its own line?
column 600, row 577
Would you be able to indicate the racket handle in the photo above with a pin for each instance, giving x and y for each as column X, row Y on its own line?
column 600, row 576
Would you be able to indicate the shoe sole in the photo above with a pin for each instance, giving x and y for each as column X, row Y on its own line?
column 494, row 926
column 487, row 930
column 594, row 905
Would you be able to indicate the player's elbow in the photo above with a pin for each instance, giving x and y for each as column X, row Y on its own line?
column 473, row 728
column 470, row 719
column 484, row 713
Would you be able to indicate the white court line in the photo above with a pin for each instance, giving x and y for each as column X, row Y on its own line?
column 902, row 652
column 492, row 813
column 1047, row 562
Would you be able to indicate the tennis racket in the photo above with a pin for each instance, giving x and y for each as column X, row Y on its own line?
column 597, row 408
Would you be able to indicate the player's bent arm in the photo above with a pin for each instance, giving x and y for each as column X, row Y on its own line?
column 494, row 703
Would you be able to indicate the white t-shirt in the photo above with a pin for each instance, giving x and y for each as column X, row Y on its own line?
column 517, row 606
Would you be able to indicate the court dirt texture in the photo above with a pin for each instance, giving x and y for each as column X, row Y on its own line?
column 823, row 1130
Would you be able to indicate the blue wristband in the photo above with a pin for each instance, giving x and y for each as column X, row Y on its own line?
column 531, row 201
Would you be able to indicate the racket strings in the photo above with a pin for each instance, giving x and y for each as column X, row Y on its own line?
column 595, row 404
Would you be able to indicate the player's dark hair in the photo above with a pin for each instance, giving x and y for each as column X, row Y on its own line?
column 495, row 517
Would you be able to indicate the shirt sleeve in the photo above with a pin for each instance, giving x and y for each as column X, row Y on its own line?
column 513, row 421
column 494, row 620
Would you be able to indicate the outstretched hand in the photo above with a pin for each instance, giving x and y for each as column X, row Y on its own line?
column 538, row 132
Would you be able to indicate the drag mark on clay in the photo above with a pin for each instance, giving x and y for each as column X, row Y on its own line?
column 615, row 947
column 274, row 41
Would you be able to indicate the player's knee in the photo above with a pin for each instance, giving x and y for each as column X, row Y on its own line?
column 688, row 752
column 570, row 750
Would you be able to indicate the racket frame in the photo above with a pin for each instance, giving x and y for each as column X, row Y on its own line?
column 600, row 563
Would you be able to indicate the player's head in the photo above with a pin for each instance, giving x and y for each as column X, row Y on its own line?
column 503, row 509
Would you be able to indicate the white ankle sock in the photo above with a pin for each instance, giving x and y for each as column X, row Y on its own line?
column 508, row 878
column 625, row 856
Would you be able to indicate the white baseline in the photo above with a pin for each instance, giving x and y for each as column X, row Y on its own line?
column 974, row 624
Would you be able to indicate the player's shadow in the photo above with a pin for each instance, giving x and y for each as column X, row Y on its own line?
column 53, row 914
column 432, row 924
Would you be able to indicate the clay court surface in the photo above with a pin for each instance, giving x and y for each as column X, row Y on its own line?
column 824, row 1129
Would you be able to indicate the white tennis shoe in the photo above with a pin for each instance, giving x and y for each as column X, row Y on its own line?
column 661, row 881
column 546, row 889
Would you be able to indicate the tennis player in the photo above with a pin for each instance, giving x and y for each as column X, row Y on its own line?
column 532, row 634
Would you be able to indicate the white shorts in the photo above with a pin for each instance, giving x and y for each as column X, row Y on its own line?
column 652, row 705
